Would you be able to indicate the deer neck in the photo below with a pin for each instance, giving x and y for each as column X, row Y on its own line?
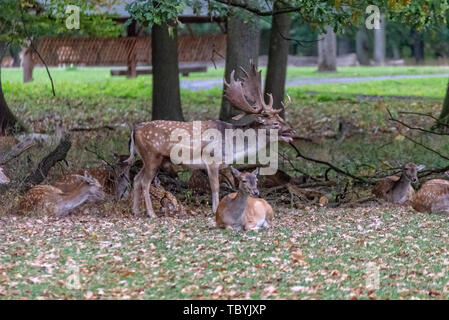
column 71, row 200
column 401, row 187
column 237, row 206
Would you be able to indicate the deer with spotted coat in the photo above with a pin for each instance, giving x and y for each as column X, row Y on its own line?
column 433, row 197
column 151, row 140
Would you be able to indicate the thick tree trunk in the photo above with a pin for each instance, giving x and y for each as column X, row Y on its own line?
column 8, row 122
column 242, row 46
column 28, row 65
column 418, row 47
column 327, row 51
column 277, row 58
column 166, row 95
column 380, row 42
column 361, row 44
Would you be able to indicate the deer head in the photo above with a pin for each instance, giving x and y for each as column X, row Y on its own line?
column 247, row 181
column 95, row 189
column 247, row 96
column 3, row 178
column 410, row 171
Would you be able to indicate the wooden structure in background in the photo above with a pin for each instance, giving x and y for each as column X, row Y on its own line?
column 125, row 51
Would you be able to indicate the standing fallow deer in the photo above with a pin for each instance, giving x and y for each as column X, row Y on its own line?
column 240, row 210
column 396, row 189
column 432, row 197
column 151, row 140
column 55, row 201
column 3, row 178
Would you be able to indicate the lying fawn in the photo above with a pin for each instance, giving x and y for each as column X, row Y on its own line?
column 432, row 197
column 398, row 189
column 151, row 140
column 3, row 178
column 114, row 179
column 239, row 210
column 58, row 202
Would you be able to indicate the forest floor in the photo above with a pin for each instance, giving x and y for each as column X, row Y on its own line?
column 313, row 251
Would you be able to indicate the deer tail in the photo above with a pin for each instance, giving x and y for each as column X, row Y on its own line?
column 131, row 148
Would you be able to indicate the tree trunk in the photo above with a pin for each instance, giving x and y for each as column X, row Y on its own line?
column 277, row 58
column 418, row 46
column 361, row 44
column 28, row 65
column 380, row 42
column 327, row 51
column 444, row 115
column 242, row 46
column 166, row 95
column 8, row 122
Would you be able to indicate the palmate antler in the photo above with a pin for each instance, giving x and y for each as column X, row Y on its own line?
column 247, row 95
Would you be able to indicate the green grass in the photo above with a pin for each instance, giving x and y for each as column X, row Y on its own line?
column 311, row 252
column 425, row 87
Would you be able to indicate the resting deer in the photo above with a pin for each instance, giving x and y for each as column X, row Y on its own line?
column 151, row 140
column 396, row 189
column 114, row 178
column 432, row 197
column 3, row 178
column 58, row 202
column 239, row 210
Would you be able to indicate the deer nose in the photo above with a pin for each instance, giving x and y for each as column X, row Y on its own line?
column 415, row 180
column 256, row 193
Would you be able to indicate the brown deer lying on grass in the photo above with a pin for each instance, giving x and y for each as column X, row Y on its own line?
column 55, row 201
column 396, row 189
column 432, row 197
column 151, row 140
column 240, row 210
column 115, row 180
column 3, row 178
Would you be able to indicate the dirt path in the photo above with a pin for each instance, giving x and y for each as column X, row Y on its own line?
column 195, row 85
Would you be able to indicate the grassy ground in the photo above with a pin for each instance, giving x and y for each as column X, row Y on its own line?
column 312, row 251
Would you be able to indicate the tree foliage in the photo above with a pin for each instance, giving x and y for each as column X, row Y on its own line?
column 24, row 19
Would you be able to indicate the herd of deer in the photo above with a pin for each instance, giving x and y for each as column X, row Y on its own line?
column 240, row 210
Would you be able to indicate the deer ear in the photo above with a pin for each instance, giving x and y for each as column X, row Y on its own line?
column 255, row 172
column 421, row 167
column 235, row 172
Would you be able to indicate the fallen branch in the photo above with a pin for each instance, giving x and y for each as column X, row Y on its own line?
column 16, row 150
column 427, row 148
column 414, row 128
column 57, row 155
column 81, row 129
column 330, row 165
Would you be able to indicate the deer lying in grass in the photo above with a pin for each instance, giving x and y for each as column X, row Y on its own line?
column 396, row 189
column 432, row 197
column 114, row 178
column 151, row 140
column 240, row 210
column 55, row 201
column 3, row 178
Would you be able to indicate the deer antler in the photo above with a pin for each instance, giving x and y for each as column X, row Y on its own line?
column 247, row 95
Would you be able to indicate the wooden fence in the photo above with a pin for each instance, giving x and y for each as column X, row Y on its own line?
column 128, row 51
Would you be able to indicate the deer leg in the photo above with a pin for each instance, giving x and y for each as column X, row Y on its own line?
column 137, row 191
column 147, row 178
column 212, row 172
